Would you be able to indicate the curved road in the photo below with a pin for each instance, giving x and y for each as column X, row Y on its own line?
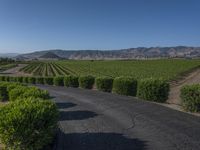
column 93, row 120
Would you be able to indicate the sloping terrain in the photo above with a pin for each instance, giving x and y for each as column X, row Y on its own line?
column 91, row 119
column 131, row 53
column 50, row 55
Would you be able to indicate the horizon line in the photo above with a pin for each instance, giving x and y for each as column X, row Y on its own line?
column 32, row 51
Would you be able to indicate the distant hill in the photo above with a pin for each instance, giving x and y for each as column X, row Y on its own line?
column 49, row 55
column 8, row 55
column 131, row 53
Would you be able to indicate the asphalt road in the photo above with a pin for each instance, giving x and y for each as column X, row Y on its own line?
column 93, row 120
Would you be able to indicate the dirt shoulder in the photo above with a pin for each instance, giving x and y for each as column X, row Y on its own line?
column 174, row 95
column 174, row 100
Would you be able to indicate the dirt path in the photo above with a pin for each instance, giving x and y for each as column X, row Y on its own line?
column 15, row 71
column 174, row 95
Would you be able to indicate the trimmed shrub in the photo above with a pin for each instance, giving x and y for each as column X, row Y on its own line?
column 104, row 84
column 2, row 78
column 35, row 93
column 31, row 80
column 58, row 81
column 71, row 81
column 125, row 86
column 20, row 92
column 12, row 79
column 7, row 78
column 86, row 82
column 40, row 80
column 20, row 79
column 25, row 79
column 17, row 92
column 3, row 93
column 28, row 124
column 153, row 90
column 11, row 86
column 190, row 96
column 48, row 80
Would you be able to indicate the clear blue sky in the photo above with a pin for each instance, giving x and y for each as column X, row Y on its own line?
column 29, row 25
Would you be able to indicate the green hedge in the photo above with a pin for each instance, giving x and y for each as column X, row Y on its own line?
column 190, row 96
column 2, row 78
column 13, row 79
column 31, row 80
column 3, row 93
column 35, row 93
column 86, row 82
column 19, row 79
column 153, row 90
column 11, row 86
column 104, row 84
column 58, row 81
column 125, row 86
column 15, row 93
column 7, row 78
column 71, row 81
column 28, row 124
column 25, row 79
column 40, row 80
column 18, row 91
column 48, row 80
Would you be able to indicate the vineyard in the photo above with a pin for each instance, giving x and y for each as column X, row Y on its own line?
column 8, row 66
column 168, row 68
column 47, row 69
column 6, row 63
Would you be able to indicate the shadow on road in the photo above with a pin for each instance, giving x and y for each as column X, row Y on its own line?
column 63, row 105
column 76, row 115
column 98, row 141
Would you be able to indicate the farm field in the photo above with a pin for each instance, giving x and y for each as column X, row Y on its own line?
column 6, row 66
column 6, row 63
column 166, row 68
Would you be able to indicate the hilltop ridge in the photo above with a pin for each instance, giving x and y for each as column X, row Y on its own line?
column 131, row 53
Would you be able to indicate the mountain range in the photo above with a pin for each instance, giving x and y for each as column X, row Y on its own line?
column 131, row 53
column 8, row 55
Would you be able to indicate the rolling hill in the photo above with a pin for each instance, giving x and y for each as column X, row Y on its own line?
column 132, row 53
column 8, row 55
column 49, row 55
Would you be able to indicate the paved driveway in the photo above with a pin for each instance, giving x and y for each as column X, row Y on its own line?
column 93, row 120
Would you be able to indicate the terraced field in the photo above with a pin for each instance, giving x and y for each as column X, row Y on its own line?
column 166, row 68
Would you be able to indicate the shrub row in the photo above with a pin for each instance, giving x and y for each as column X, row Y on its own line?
column 31, row 80
column 14, row 91
column 148, row 89
column 104, row 84
column 86, row 82
column 190, row 96
column 3, row 93
column 153, row 90
column 27, row 121
column 71, row 81
column 68, row 81
column 125, row 86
